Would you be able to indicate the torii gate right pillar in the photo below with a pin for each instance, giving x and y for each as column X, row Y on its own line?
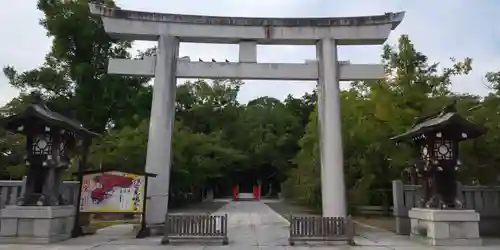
column 333, row 189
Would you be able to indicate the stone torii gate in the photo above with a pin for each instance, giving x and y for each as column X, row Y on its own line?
column 171, row 29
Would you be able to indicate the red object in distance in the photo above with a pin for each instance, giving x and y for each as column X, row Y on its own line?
column 236, row 192
column 256, row 192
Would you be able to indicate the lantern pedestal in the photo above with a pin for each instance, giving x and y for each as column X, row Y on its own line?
column 36, row 224
column 445, row 227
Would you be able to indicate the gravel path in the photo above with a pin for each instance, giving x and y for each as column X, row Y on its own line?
column 285, row 208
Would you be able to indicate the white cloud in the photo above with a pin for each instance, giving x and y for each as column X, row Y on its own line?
column 439, row 29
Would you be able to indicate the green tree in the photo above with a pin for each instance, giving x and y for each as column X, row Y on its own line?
column 413, row 88
column 73, row 76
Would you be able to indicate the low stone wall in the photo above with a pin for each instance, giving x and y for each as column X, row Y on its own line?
column 10, row 191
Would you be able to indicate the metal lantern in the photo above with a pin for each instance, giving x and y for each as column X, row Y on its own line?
column 50, row 139
column 436, row 139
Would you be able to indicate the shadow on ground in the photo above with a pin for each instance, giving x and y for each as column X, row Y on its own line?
column 200, row 208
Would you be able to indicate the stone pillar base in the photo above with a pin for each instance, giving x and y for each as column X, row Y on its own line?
column 36, row 225
column 445, row 227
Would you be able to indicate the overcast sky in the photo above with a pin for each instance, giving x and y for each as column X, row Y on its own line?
column 440, row 29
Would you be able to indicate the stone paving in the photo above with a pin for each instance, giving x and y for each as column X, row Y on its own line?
column 252, row 226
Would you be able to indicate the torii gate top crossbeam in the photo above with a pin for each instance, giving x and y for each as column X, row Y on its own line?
column 138, row 25
column 392, row 18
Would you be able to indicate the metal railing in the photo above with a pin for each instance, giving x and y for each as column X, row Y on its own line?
column 212, row 227
column 315, row 228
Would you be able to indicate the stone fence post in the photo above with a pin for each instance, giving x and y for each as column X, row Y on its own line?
column 400, row 211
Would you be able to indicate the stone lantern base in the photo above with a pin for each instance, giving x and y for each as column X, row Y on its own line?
column 445, row 227
column 36, row 224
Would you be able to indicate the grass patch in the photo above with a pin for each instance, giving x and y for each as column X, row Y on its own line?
column 98, row 224
column 285, row 208
column 383, row 222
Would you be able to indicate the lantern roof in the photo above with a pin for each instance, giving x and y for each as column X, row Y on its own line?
column 38, row 110
column 446, row 119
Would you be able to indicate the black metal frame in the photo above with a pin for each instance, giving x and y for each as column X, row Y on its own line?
column 144, row 231
column 77, row 230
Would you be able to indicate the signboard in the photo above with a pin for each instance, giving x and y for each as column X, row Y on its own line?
column 112, row 192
